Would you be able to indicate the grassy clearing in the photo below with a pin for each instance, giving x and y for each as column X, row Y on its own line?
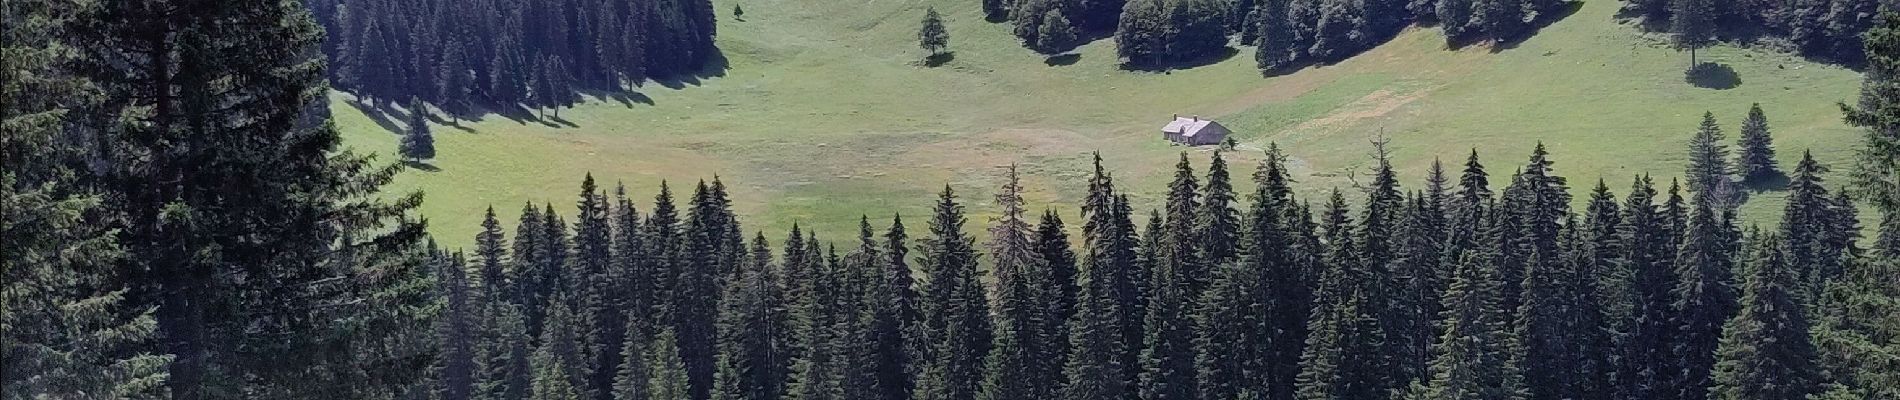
column 825, row 115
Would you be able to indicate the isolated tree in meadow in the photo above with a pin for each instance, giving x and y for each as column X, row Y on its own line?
column 1756, row 163
column 738, row 12
column 1692, row 26
column 933, row 37
column 1708, row 173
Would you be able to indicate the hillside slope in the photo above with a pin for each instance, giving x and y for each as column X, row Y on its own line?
column 824, row 115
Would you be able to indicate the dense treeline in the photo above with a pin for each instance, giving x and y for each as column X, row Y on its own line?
column 539, row 53
column 1285, row 33
column 1826, row 29
column 1290, row 33
column 180, row 222
column 1450, row 291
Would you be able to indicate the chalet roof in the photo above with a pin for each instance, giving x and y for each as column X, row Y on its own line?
column 1188, row 126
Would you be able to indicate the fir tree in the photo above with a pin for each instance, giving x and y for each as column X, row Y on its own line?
column 1708, row 174
column 507, row 370
column 1014, row 370
column 752, row 332
column 1179, row 251
column 1877, row 162
column 1756, row 163
column 1344, row 355
column 248, row 288
column 417, row 143
column 68, row 323
column 1473, row 360
column 1167, row 358
column 1765, row 351
column 1703, row 299
column 696, row 297
column 1812, row 259
column 956, row 311
column 1058, row 292
column 893, row 307
column 1277, row 245
column 492, row 259
column 455, row 331
column 932, row 37
column 1217, row 222
column 666, row 373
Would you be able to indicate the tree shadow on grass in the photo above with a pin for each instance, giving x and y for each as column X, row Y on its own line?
column 1062, row 59
column 1711, row 75
column 379, row 114
column 1538, row 25
column 939, row 59
column 716, row 66
column 1211, row 58
column 423, row 166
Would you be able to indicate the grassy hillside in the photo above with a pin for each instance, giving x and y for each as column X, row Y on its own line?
column 825, row 114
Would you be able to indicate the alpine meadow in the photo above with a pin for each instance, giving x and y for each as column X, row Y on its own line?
column 950, row 199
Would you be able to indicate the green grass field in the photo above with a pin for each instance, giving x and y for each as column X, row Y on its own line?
column 825, row 114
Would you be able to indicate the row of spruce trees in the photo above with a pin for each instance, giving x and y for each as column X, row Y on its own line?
column 1285, row 33
column 1449, row 292
column 1291, row 33
column 460, row 54
column 180, row 222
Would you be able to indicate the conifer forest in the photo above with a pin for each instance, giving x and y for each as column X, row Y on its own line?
column 182, row 219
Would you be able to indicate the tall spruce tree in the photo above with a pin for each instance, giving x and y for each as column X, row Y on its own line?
column 1646, row 367
column 243, row 298
column 1344, row 355
column 696, row 297
column 956, row 310
column 417, row 143
column 1703, row 299
column 1057, row 290
column 1756, row 162
column 752, row 358
column 1473, row 359
column 69, row 330
column 1180, row 245
column 1708, row 174
column 1014, row 369
column 1812, row 258
column 1765, row 351
column 455, row 330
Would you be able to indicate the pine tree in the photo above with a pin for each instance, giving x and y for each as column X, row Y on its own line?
column 1278, row 246
column 417, row 143
column 1473, row 360
column 1703, row 299
column 1167, row 358
column 1765, row 351
column 1646, row 258
column 1217, row 222
column 1099, row 363
column 1877, row 162
column 1014, row 370
column 507, row 370
column 696, row 297
column 956, row 311
column 932, row 37
column 492, row 258
column 752, row 362
column 893, row 307
column 1812, row 259
column 1414, row 291
column 68, row 321
column 666, row 373
column 246, row 288
column 1182, row 235
column 1058, row 292
column 1708, row 174
column 452, row 77
column 560, row 364
column 455, row 331
column 1344, row 356
column 630, row 378
column 1756, row 162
